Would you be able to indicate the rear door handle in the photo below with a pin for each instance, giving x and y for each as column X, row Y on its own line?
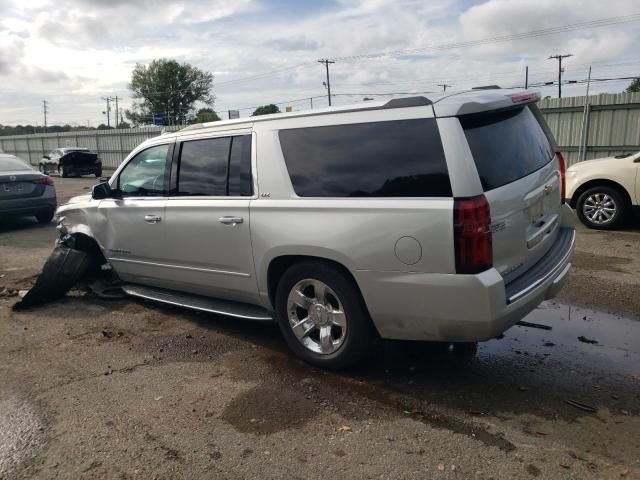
column 152, row 219
column 233, row 221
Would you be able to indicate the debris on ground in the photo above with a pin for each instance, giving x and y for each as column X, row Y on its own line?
column 584, row 339
column 64, row 267
column 108, row 290
column 522, row 323
column 7, row 292
column 71, row 262
column 581, row 406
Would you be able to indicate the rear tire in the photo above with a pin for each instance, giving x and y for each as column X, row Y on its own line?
column 98, row 173
column 45, row 217
column 334, row 330
column 601, row 208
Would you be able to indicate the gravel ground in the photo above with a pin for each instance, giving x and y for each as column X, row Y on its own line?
column 91, row 388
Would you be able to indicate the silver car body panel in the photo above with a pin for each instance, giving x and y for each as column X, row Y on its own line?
column 192, row 252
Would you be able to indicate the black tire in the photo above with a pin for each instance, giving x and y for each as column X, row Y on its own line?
column 98, row 173
column 615, row 196
column 43, row 169
column 62, row 171
column 360, row 336
column 45, row 217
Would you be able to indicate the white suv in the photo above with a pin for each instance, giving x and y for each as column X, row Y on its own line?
column 420, row 219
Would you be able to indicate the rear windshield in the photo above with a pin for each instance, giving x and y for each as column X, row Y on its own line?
column 8, row 164
column 506, row 145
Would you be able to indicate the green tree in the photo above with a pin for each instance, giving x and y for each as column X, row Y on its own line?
column 124, row 125
column 166, row 87
column 266, row 110
column 634, row 87
column 205, row 115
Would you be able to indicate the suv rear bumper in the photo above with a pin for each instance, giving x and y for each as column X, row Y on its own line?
column 462, row 308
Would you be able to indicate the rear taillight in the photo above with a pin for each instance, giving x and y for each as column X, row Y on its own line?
column 472, row 235
column 563, row 175
column 44, row 181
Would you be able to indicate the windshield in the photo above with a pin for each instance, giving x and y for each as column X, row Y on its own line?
column 9, row 164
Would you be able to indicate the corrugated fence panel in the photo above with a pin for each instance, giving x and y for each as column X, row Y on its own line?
column 613, row 125
column 112, row 145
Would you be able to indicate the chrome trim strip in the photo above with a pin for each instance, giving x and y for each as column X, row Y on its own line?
column 180, row 267
column 133, row 293
column 553, row 272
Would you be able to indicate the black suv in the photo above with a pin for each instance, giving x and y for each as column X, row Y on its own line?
column 71, row 161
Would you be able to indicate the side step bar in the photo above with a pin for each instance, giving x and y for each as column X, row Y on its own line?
column 198, row 302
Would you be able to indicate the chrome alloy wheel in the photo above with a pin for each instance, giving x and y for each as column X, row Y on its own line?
column 316, row 316
column 599, row 208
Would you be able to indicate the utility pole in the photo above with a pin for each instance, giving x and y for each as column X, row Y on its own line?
column 444, row 86
column 108, row 112
column 45, row 111
column 526, row 76
column 559, row 57
column 326, row 62
column 116, row 122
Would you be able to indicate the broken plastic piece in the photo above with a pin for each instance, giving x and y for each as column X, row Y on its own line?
column 63, row 268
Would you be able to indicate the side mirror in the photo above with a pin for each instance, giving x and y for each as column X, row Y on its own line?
column 104, row 179
column 101, row 191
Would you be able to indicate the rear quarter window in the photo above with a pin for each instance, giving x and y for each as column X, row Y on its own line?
column 506, row 145
column 401, row 158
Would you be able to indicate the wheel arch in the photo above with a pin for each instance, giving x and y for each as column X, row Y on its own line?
column 278, row 265
column 599, row 182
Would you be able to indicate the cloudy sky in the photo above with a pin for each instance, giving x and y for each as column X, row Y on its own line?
column 73, row 52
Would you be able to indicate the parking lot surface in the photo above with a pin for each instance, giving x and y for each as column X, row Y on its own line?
column 94, row 388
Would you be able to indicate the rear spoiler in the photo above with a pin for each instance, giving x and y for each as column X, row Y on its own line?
column 483, row 100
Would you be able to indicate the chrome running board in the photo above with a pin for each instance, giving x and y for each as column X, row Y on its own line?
column 198, row 302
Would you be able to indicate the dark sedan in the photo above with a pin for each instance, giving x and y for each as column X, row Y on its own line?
column 24, row 191
column 71, row 161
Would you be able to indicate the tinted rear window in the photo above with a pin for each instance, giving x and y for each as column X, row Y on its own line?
column 203, row 167
column 380, row 159
column 506, row 145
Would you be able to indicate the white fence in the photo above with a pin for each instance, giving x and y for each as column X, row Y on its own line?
column 112, row 145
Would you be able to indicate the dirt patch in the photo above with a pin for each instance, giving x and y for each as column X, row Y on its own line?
column 189, row 347
column 21, row 434
column 269, row 409
column 609, row 295
column 590, row 261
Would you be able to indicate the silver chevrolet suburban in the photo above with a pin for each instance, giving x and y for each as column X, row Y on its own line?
column 417, row 218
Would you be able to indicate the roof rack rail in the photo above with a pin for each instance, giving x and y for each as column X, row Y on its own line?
column 408, row 102
column 487, row 87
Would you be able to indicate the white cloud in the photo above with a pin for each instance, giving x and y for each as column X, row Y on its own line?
column 72, row 53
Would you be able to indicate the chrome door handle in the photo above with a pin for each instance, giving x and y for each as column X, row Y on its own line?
column 233, row 221
column 152, row 218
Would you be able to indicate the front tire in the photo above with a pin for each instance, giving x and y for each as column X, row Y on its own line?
column 43, row 169
column 322, row 316
column 601, row 208
column 45, row 217
column 62, row 171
